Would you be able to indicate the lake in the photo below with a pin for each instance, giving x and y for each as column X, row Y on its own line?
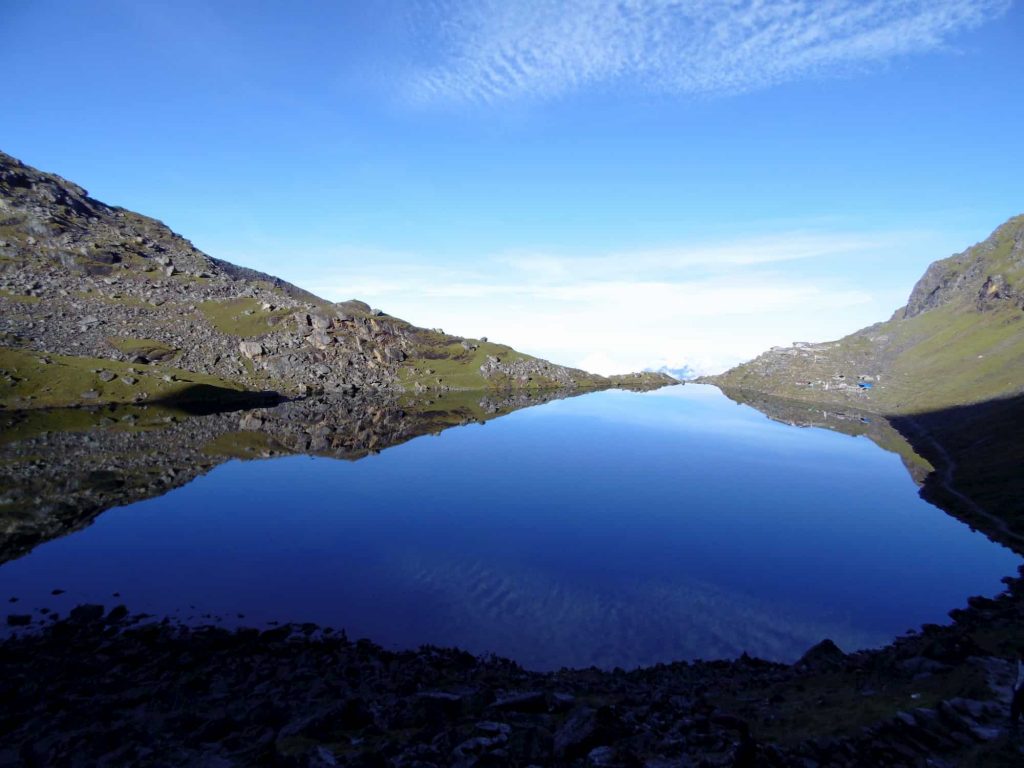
column 611, row 529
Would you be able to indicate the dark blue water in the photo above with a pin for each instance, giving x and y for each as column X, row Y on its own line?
column 610, row 529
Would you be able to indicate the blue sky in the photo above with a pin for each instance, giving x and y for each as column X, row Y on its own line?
column 613, row 185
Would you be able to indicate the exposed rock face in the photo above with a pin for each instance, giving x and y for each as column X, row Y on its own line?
column 86, row 280
column 959, row 339
column 971, row 273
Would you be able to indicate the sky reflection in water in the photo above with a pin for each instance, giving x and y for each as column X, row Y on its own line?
column 615, row 529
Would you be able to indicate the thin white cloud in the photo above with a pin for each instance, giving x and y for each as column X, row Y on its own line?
column 494, row 50
column 782, row 247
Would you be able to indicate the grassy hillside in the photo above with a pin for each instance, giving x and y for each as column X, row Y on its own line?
column 959, row 339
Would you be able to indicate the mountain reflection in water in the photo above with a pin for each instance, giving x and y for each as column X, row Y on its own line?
column 610, row 529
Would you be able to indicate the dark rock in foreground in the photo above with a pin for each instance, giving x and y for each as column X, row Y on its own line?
column 106, row 688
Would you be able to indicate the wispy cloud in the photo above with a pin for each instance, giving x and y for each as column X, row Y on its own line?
column 494, row 50
column 713, row 257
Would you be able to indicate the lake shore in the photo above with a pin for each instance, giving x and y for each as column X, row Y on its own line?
column 145, row 692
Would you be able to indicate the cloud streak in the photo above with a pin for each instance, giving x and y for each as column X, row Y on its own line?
column 495, row 50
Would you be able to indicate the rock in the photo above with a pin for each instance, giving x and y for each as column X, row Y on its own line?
column 321, row 339
column 435, row 706
column 86, row 613
column 92, row 394
column 107, row 376
column 583, row 729
column 561, row 702
column 919, row 666
column 525, row 701
column 250, row 349
column 129, row 380
column 329, row 722
column 823, row 656
column 117, row 614
column 603, row 757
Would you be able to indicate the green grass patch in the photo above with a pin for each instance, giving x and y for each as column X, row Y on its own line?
column 119, row 301
column 151, row 349
column 19, row 297
column 241, row 317
column 956, row 355
column 16, row 426
column 28, row 382
column 244, row 444
column 442, row 362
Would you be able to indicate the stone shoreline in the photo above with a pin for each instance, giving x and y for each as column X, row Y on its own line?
column 137, row 691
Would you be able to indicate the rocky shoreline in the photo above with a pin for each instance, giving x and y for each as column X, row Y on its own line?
column 142, row 692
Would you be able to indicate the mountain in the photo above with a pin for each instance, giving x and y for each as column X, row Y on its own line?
column 958, row 340
column 101, row 304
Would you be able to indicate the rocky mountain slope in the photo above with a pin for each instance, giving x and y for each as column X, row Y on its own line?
column 100, row 304
column 959, row 339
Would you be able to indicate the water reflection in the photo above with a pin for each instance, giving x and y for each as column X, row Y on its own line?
column 61, row 468
column 610, row 529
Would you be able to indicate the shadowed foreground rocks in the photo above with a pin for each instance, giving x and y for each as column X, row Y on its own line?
column 106, row 688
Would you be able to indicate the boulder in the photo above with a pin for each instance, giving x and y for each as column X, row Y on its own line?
column 321, row 339
column 250, row 349
column 584, row 729
column 825, row 655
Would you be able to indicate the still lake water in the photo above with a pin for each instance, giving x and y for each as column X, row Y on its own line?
column 616, row 529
